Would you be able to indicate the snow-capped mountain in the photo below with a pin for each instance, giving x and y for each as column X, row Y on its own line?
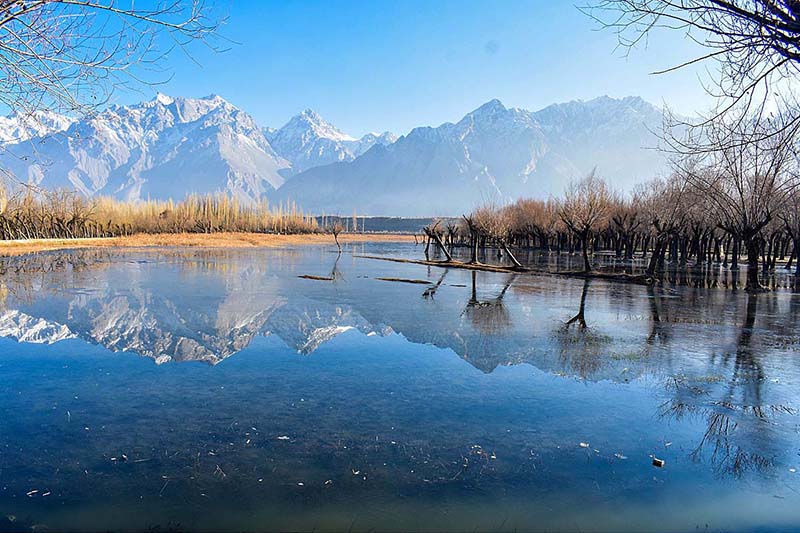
column 493, row 154
column 164, row 148
column 172, row 147
column 22, row 327
column 20, row 127
column 127, row 310
column 308, row 141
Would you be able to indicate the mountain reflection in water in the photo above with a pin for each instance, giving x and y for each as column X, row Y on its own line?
column 705, row 377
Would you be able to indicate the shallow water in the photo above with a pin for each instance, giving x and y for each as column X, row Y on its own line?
column 462, row 403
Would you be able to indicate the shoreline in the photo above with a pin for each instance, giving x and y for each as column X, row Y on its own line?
column 195, row 240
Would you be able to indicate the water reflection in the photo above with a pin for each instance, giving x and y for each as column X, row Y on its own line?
column 465, row 400
column 208, row 305
column 489, row 316
column 740, row 422
column 580, row 345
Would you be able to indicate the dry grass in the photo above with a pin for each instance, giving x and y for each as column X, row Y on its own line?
column 66, row 215
column 203, row 240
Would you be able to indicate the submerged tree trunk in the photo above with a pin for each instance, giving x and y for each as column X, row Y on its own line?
column 752, row 265
column 442, row 246
column 655, row 257
column 517, row 264
column 473, row 248
column 587, row 266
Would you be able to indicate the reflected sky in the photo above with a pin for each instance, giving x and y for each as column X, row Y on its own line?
column 429, row 399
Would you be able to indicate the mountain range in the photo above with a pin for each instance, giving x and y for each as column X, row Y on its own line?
column 172, row 147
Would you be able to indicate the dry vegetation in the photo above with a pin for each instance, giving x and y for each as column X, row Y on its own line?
column 65, row 215
column 48, row 221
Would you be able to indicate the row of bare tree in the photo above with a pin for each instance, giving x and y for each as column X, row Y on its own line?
column 741, row 198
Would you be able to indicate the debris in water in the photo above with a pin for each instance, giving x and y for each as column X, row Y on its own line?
column 667, row 444
column 403, row 280
column 355, row 472
column 283, row 437
column 583, row 444
column 301, row 484
column 329, row 482
column 316, row 278
column 792, row 470
column 620, row 456
column 658, row 462
column 31, row 493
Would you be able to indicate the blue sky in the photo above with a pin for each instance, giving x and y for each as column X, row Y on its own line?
column 373, row 66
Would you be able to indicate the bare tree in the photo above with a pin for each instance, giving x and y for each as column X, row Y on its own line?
column 71, row 55
column 496, row 225
column 790, row 216
column 625, row 216
column 474, row 236
column 434, row 232
column 335, row 228
column 754, row 44
column 585, row 206
column 747, row 179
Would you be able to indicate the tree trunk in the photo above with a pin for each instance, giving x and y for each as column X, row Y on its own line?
column 752, row 265
column 442, row 246
column 587, row 266
column 658, row 246
column 517, row 264
column 474, row 248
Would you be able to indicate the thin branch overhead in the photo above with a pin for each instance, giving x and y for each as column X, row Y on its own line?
column 72, row 55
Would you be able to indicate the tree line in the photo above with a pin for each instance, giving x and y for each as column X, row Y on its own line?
column 739, row 200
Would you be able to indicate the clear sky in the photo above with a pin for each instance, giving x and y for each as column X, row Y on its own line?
column 393, row 65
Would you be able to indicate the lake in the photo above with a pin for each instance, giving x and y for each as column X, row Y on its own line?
column 174, row 389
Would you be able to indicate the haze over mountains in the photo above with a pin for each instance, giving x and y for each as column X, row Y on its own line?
column 172, row 147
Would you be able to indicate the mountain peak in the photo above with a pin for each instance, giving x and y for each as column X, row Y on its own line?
column 163, row 99
column 491, row 107
column 310, row 123
column 310, row 114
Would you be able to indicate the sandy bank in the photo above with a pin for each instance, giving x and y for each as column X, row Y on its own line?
column 206, row 240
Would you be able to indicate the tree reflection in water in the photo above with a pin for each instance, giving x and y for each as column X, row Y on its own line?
column 580, row 346
column 738, row 435
column 658, row 330
column 490, row 316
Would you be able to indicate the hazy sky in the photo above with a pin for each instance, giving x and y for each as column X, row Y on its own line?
column 373, row 66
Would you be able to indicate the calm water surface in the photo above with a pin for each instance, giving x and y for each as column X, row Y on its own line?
column 217, row 390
